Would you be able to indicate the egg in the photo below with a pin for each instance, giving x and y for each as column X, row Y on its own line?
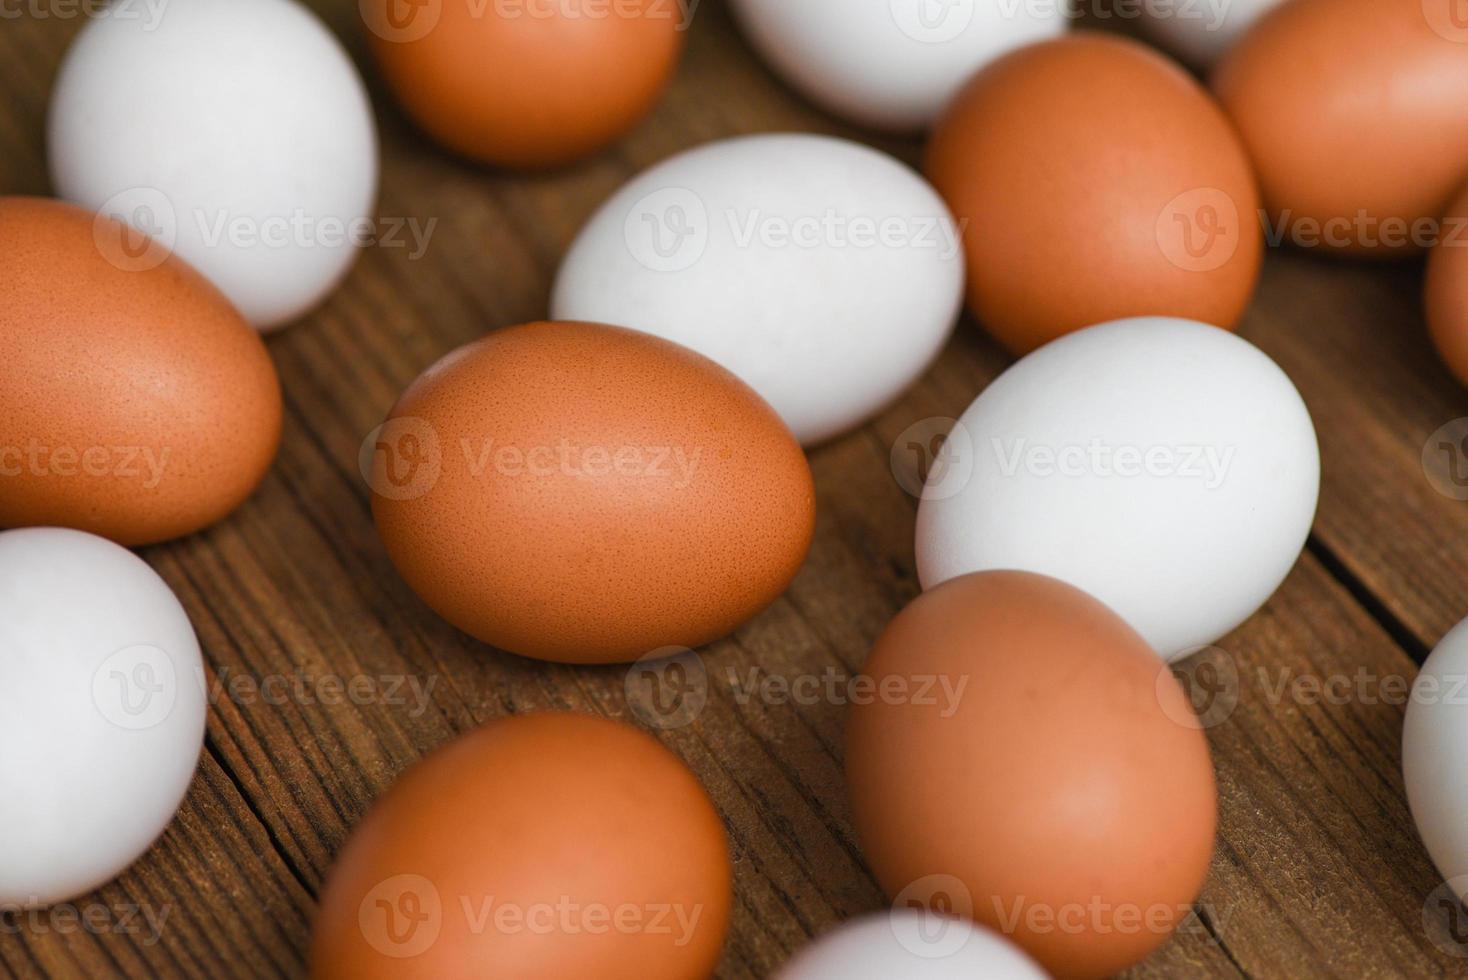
column 550, row 845
column 102, row 710
column 527, row 83
column 1027, row 760
column 890, row 64
column 1166, row 467
column 913, row 944
column 135, row 403
column 236, row 132
column 1095, row 180
column 589, row 494
column 1353, row 113
column 1447, row 290
column 1199, row 33
column 824, row 274
column 1433, row 736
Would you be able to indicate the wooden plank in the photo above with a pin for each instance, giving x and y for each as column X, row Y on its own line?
column 1317, row 873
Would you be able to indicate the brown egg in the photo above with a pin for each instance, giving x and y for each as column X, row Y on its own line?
column 1355, row 116
column 1026, row 759
column 526, row 83
column 135, row 403
column 1447, row 290
column 551, row 845
column 589, row 494
column 1095, row 180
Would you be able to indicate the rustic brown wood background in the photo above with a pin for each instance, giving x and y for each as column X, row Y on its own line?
column 1318, row 871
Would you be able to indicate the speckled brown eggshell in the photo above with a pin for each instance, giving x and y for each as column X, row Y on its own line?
column 1447, row 290
column 686, row 506
column 1067, row 781
column 135, row 402
column 1354, row 114
column 1095, row 180
column 531, row 83
column 511, row 851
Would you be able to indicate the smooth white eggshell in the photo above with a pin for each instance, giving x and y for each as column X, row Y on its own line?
column 102, row 711
column 1200, row 31
column 911, row 945
column 1433, row 739
column 236, row 131
column 823, row 273
column 1166, row 467
column 891, row 64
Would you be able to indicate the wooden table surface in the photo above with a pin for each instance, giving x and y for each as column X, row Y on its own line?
column 1318, row 871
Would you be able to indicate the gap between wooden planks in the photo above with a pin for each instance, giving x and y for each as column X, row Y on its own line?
column 1317, row 872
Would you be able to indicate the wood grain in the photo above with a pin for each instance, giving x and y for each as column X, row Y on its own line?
column 1318, row 871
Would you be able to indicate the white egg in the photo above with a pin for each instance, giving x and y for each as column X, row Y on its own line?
column 1168, row 468
column 237, row 132
column 1200, row 31
column 911, row 945
column 1433, row 737
column 102, row 712
column 824, row 274
column 891, row 64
